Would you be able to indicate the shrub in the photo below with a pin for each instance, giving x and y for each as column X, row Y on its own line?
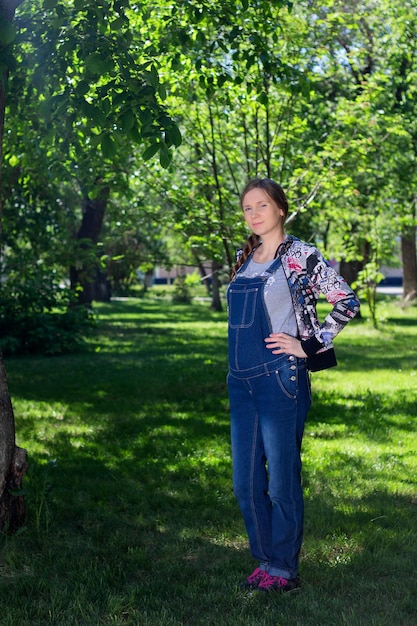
column 182, row 294
column 39, row 319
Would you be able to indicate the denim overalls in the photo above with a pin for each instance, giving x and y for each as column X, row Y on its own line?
column 269, row 400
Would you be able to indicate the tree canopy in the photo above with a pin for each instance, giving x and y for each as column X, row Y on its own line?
column 131, row 127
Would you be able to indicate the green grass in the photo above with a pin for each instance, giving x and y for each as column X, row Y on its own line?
column 131, row 515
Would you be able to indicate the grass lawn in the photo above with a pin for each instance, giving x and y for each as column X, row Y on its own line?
column 131, row 515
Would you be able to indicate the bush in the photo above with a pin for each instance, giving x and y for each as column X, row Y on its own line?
column 182, row 294
column 41, row 320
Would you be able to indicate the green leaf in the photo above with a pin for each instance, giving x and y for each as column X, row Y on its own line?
column 134, row 134
column 93, row 193
column 165, row 156
column 150, row 151
column 235, row 32
column 96, row 139
column 82, row 88
column 263, row 98
column 173, row 136
column 107, row 146
column 106, row 105
column 96, row 65
column 96, row 115
column 127, row 120
column 145, row 116
column 154, row 77
column 162, row 91
column 7, row 32
column 149, row 130
column 13, row 161
column 119, row 23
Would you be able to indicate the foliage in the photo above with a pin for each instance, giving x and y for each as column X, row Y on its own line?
column 314, row 112
column 140, row 470
column 320, row 97
column 133, row 241
column 364, row 83
column 100, row 73
column 181, row 293
column 36, row 316
column 83, row 94
column 235, row 124
column 366, row 285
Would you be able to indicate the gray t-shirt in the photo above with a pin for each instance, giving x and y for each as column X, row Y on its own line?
column 277, row 297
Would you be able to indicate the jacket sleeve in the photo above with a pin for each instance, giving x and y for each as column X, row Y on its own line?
column 323, row 279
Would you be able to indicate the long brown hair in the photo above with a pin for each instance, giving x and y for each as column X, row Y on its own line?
column 277, row 194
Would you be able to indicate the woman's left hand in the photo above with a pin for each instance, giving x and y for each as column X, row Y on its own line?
column 281, row 343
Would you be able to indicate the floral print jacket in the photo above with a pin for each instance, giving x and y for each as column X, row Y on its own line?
column 309, row 275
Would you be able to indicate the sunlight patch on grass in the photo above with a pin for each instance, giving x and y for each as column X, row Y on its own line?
column 337, row 549
column 141, row 489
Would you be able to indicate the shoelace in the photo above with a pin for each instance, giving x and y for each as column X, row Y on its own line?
column 269, row 581
column 256, row 576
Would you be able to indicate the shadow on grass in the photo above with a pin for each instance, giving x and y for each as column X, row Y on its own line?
column 143, row 525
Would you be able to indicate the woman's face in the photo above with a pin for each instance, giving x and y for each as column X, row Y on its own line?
column 261, row 212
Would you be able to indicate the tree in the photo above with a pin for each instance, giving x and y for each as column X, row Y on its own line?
column 233, row 91
column 13, row 460
column 402, row 57
column 96, row 90
column 94, row 99
column 366, row 74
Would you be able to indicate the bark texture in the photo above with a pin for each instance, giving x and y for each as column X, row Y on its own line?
column 409, row 259
column 13, row 460
column 13, row 463
column 86, row 277
column 216, row 302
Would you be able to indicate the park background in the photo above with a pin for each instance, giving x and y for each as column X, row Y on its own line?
column 127, row 131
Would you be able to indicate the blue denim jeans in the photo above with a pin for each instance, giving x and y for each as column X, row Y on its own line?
column 268, row 413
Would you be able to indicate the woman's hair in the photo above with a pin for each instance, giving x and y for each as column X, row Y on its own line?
column 277, row 194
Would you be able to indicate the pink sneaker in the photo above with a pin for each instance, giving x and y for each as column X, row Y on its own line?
column 276, row 583
column 252, row 581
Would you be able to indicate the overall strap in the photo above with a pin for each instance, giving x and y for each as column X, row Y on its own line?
column 274, row 266
column 282, row 248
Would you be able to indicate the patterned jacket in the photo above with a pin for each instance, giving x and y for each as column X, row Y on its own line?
column 309, row 275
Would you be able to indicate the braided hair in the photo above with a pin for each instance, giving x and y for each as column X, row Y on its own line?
column 277, row 194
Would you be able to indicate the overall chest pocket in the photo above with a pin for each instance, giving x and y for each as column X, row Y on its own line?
column 242, row 306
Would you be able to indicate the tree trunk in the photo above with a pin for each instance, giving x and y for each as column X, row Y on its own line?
column 101, row 287
column 83, row 277
column 216, row 303
column 350, row 270
column 13, row 463
column 148, row 279
column 409, row 259
column 13, row 460
column 203, row 275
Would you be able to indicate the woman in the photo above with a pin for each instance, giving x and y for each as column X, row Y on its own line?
column 275, row 337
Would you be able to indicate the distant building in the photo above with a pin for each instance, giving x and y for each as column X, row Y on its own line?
column 393, row 276
column 162, row 276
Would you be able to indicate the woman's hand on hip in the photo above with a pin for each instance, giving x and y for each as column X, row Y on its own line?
column 281, row 343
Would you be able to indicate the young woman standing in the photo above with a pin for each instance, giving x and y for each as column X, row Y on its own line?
column 275, row 337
